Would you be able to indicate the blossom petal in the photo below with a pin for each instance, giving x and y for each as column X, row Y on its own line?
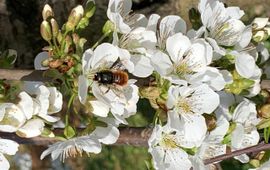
column 8, row 147
column 4, row 164
column 99, row 108
column 162, row 64
column 245, row 69
column 39, row 59
column 82, row 88
column 32, row 128
column 26, row 104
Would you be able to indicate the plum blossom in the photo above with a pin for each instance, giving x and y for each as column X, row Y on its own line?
column 8, row 147
column 184, row 59
column 120, row 100
column 245, row 133
column 165, row 148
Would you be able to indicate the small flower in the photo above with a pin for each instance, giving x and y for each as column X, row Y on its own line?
column 8, row 147
column 166, row 151
column 185, row 58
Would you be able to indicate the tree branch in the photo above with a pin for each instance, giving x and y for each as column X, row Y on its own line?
column 135, row 136
column 35, row 75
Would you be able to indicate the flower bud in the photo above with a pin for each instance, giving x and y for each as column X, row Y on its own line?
column 55, row 27
column 255, row 163
column 108, row 27
column 259, row 23
column 90, row 8
column 264, row 111
column 74, row 17
column 47, row 12
column 260, row 36
column 45, row 30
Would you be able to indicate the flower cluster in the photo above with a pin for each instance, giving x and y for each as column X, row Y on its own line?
column 206, row 81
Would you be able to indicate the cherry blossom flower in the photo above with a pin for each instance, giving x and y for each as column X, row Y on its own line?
column 184, row 59
column 166, row 150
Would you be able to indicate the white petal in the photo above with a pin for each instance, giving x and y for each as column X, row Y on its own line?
column 152, row 22
column 26, row 104
column 43, row 94
column 32, row 128
column 83, row 88
column 108, row 135
column 86, row 60
column 245, row 38
column 8, row 146
column 173, row 94
column 31, row 87
column 39, row 59
column 4, row 164
column 124, row 56
column 172, row 24
column 12, row 116
column 194, row 127
column 162, row 64
column 99, row 108
column 177, row 45
column 104, row 54
column 143, row 67
column 56, row 100
column 49, row 118
column 235, row 12
column 245, row 65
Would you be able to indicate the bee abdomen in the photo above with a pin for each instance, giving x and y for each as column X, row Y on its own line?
column 120, row 78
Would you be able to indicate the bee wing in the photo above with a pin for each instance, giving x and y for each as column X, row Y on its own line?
column 118, row 66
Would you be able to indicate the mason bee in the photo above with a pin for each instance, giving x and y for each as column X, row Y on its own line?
column 111, row 77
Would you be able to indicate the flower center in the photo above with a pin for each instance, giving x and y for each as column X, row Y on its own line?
column 168, row 141
column 182, row 69
column 184, row 105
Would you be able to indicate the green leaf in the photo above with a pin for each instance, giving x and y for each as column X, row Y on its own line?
column 69, row 132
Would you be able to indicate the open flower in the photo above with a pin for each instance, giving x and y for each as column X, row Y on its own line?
column 212, row 145
column 8, row 147
column 119, row 99
column 245, row 134
column 139, row 42
column 185, row 58
column 119, row 13
column 223, row 25
column 90, row 143
column 166, row 150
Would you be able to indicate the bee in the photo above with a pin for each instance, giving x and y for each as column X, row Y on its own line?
column 111, row 77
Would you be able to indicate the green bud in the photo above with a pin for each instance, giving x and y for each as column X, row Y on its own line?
column 47, row 12
column 74, row 17
column 55, row 28
column 108, row 27
column 69, row 132
column 84, row 22
column 45, row 30
column 90, row 8
column 45, row 63
column 255, row 163
column 59, row 37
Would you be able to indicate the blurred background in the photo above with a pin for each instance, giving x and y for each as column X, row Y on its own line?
column 19, row 29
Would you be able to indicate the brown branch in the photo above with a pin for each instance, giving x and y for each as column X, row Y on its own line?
column 128, row 136
column 34, row 75
column 134, row 136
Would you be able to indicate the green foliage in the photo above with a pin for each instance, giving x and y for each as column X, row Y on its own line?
column 8, row 58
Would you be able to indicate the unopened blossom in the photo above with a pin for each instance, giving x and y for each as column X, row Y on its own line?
column 7, row 147
column 245, row 133
column 264, row 166
column 165, row 148
column 184, row 58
